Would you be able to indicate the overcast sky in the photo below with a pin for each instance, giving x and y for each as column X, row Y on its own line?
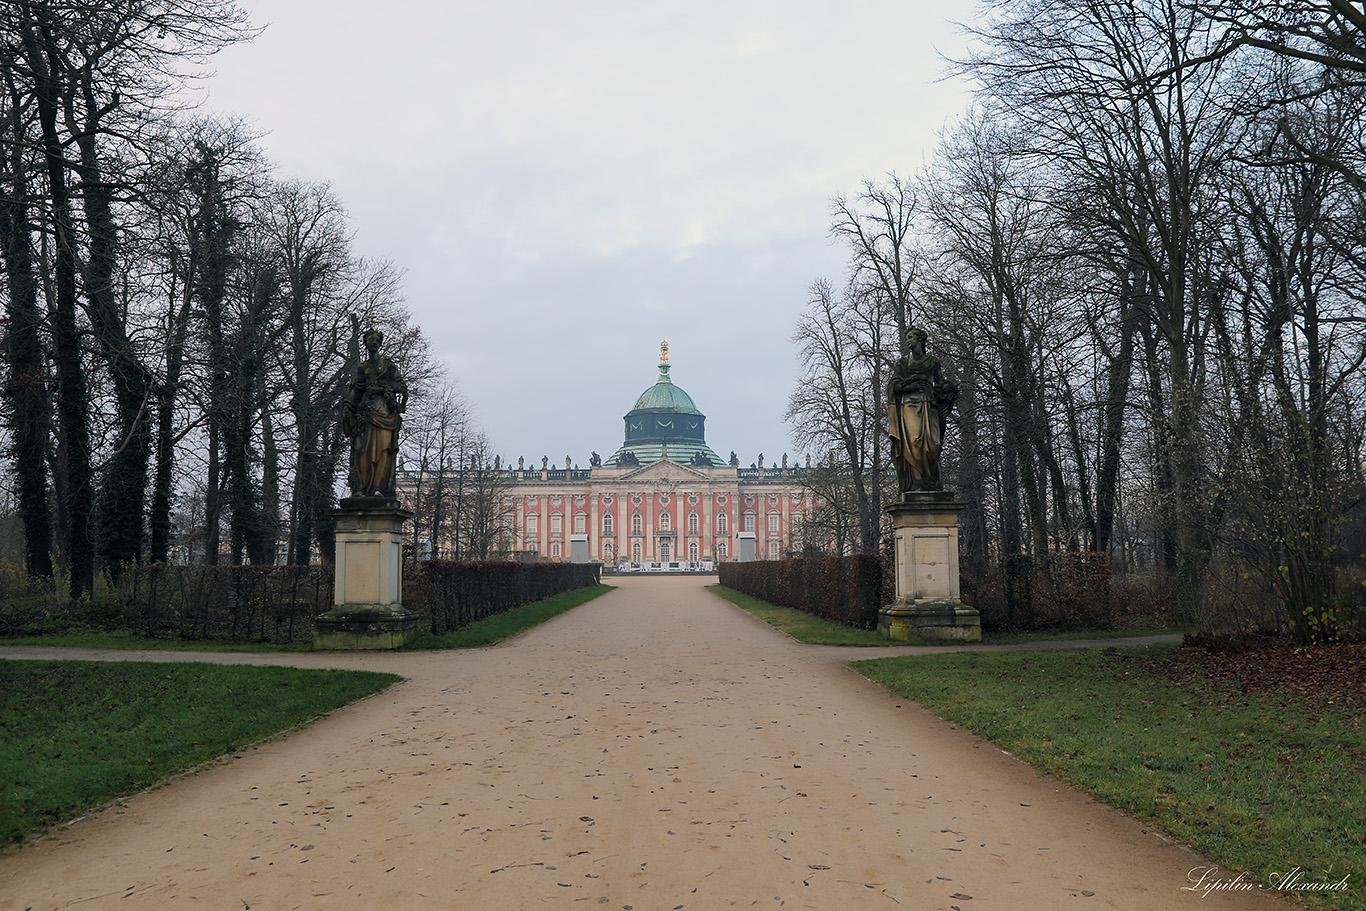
column 566, row 184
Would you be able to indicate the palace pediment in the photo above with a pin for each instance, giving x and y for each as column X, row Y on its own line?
column 664, row 470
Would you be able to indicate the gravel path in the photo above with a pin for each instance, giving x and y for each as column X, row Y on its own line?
column 656, row 748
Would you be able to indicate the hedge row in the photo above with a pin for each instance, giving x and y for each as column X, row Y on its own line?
column 848, row 590
column 454, row 595
column 239, row 603
column 271, row 603
column 1070, row 590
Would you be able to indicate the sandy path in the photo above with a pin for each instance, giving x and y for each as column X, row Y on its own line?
column 654, row 749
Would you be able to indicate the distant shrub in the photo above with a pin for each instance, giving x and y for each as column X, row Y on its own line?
column 28, row 603
column 1069, row 590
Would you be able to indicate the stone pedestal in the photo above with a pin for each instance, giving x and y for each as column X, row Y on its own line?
column 369, row 611
column 925, row 531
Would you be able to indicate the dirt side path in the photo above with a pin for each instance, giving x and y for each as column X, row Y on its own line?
column 653, row 749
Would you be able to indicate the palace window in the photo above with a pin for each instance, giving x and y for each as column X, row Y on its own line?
column 773, row 525
column 692, row 523
column 664, row 552
column 635, row 552
column 580, row 523
column 554, row 550
column 692, row 551
column 721, row 524
column 749, row 521
column 607, row 525
column 533, row 525
column 664, row 520
column 721, row 549
column 556, row 524
column 773, row 550
column 635, row 526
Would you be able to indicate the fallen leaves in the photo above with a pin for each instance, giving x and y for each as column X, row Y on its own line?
column 1334, row 674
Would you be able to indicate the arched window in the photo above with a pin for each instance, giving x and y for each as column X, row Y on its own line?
column 607, row 525
column 692, row 551
column 773, row 550
column 664, row 552
column 635, row 552
column 607, row 552
column 721, row 549
column 722, row 526
column 554, row 550
column 664, row 520
column 692, row 523
column 635, row 525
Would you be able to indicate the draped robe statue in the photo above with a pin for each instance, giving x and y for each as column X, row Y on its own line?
column 371, row 416
column 919, row 401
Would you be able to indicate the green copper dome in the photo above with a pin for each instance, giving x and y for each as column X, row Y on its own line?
column 664, row 424
column 665, row 396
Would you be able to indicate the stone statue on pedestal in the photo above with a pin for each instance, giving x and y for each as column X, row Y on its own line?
column 371, row 416
column 919, row 400
column 368, row 611
column 925, row 516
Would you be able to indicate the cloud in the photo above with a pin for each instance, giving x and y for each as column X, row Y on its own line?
column 565, row 184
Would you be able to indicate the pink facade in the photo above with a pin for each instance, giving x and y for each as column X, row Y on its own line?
column 663, row 496
column 660, row 512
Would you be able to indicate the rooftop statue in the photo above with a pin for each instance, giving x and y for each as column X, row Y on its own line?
column 371, row 416
column 920, row 399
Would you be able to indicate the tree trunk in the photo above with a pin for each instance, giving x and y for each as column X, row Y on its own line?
column 26, row 396
column 123, row 491
column 73, row 405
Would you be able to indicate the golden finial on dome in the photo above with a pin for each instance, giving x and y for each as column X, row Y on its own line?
column 664, row 352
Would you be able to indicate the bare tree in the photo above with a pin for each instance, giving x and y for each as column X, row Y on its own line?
column 94, row 71
column 26, row 393
column 878, row 227
column 1147, row 151
column 838, row 405
column 1291, row 350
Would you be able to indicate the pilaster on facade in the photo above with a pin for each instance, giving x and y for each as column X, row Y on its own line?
column 695, row 498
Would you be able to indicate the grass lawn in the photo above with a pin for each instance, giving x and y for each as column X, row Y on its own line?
column 79, row 734
column 511, row 622
column 1261, row 776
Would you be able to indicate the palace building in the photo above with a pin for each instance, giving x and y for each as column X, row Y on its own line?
column 664, row 496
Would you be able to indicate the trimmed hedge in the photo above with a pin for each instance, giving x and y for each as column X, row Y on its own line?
column 272, row 603
column 239, row 603
column 453, row 595
column 848, row 590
